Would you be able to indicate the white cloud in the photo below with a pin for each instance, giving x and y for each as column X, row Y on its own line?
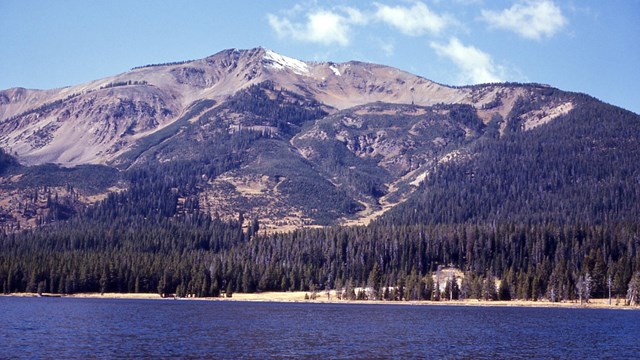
column 415, row 20
column 468, row 2
column 388, row 48
column 461, row 2
column 386, row 45
column 322, row 26
column 529, row 19
column 335, row 26
column 475, row 66
column 355, row 16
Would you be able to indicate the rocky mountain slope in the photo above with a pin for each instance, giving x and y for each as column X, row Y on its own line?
column 97, row 121
column 281, row 140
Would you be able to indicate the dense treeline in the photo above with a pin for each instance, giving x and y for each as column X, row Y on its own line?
column 130, row 254
column 199, row 256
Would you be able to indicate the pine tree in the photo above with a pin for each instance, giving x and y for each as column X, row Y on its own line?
column 374, row 281
column 633, row 291
column 503, row 290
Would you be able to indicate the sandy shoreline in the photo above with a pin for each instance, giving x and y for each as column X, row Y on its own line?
column 299, row 297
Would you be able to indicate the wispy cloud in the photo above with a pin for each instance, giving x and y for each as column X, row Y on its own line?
column 413, row 21
column 475, row 65
column 386, row 45
column 529, row 19
column 335, row 26
column 388, row 48
column 327, row 27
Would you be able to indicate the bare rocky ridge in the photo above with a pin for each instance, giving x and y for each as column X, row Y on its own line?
column 365, row 133
column 95, row 122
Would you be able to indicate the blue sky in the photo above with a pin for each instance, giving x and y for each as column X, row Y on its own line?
column 585, row 46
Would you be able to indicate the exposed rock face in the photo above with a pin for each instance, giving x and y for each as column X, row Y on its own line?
column 96, row 121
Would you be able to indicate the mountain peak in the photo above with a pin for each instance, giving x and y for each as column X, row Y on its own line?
column 276, row 61
column 268, row 58
column 107, row 117
column 262, row 128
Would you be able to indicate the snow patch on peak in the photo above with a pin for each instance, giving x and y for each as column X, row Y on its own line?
column 334, row 69
column 279, row 62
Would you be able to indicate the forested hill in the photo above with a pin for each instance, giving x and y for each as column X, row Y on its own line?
column 549, row 214
column 581, row 168
column 293, row 143
column 197, row 256
column 205, row 174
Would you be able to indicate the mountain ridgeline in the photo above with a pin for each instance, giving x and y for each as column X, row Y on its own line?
column 200, row 177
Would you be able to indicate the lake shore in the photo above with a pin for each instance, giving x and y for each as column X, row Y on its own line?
column 300, row 297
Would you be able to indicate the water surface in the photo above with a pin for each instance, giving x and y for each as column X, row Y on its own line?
column 116, row 328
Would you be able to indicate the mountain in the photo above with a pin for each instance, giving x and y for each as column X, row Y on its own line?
column 292, row 143
column 218, row 175
column 98, row 121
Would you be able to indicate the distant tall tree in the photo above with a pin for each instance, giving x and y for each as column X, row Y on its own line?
column 503, row 290
column 375, row 277
column 163, row 285
column 451, row 290
column 465, row 287
column 229, row 290
column 584, row 287
column 489, row 288
column 633, row 292
column 609, row 282
column 428, row 287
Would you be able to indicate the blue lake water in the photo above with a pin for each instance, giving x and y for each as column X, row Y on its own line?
column 108, row 328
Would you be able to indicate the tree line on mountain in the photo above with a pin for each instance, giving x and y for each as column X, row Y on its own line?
column 123, row 83
column 162, row 64
column 44, row 108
